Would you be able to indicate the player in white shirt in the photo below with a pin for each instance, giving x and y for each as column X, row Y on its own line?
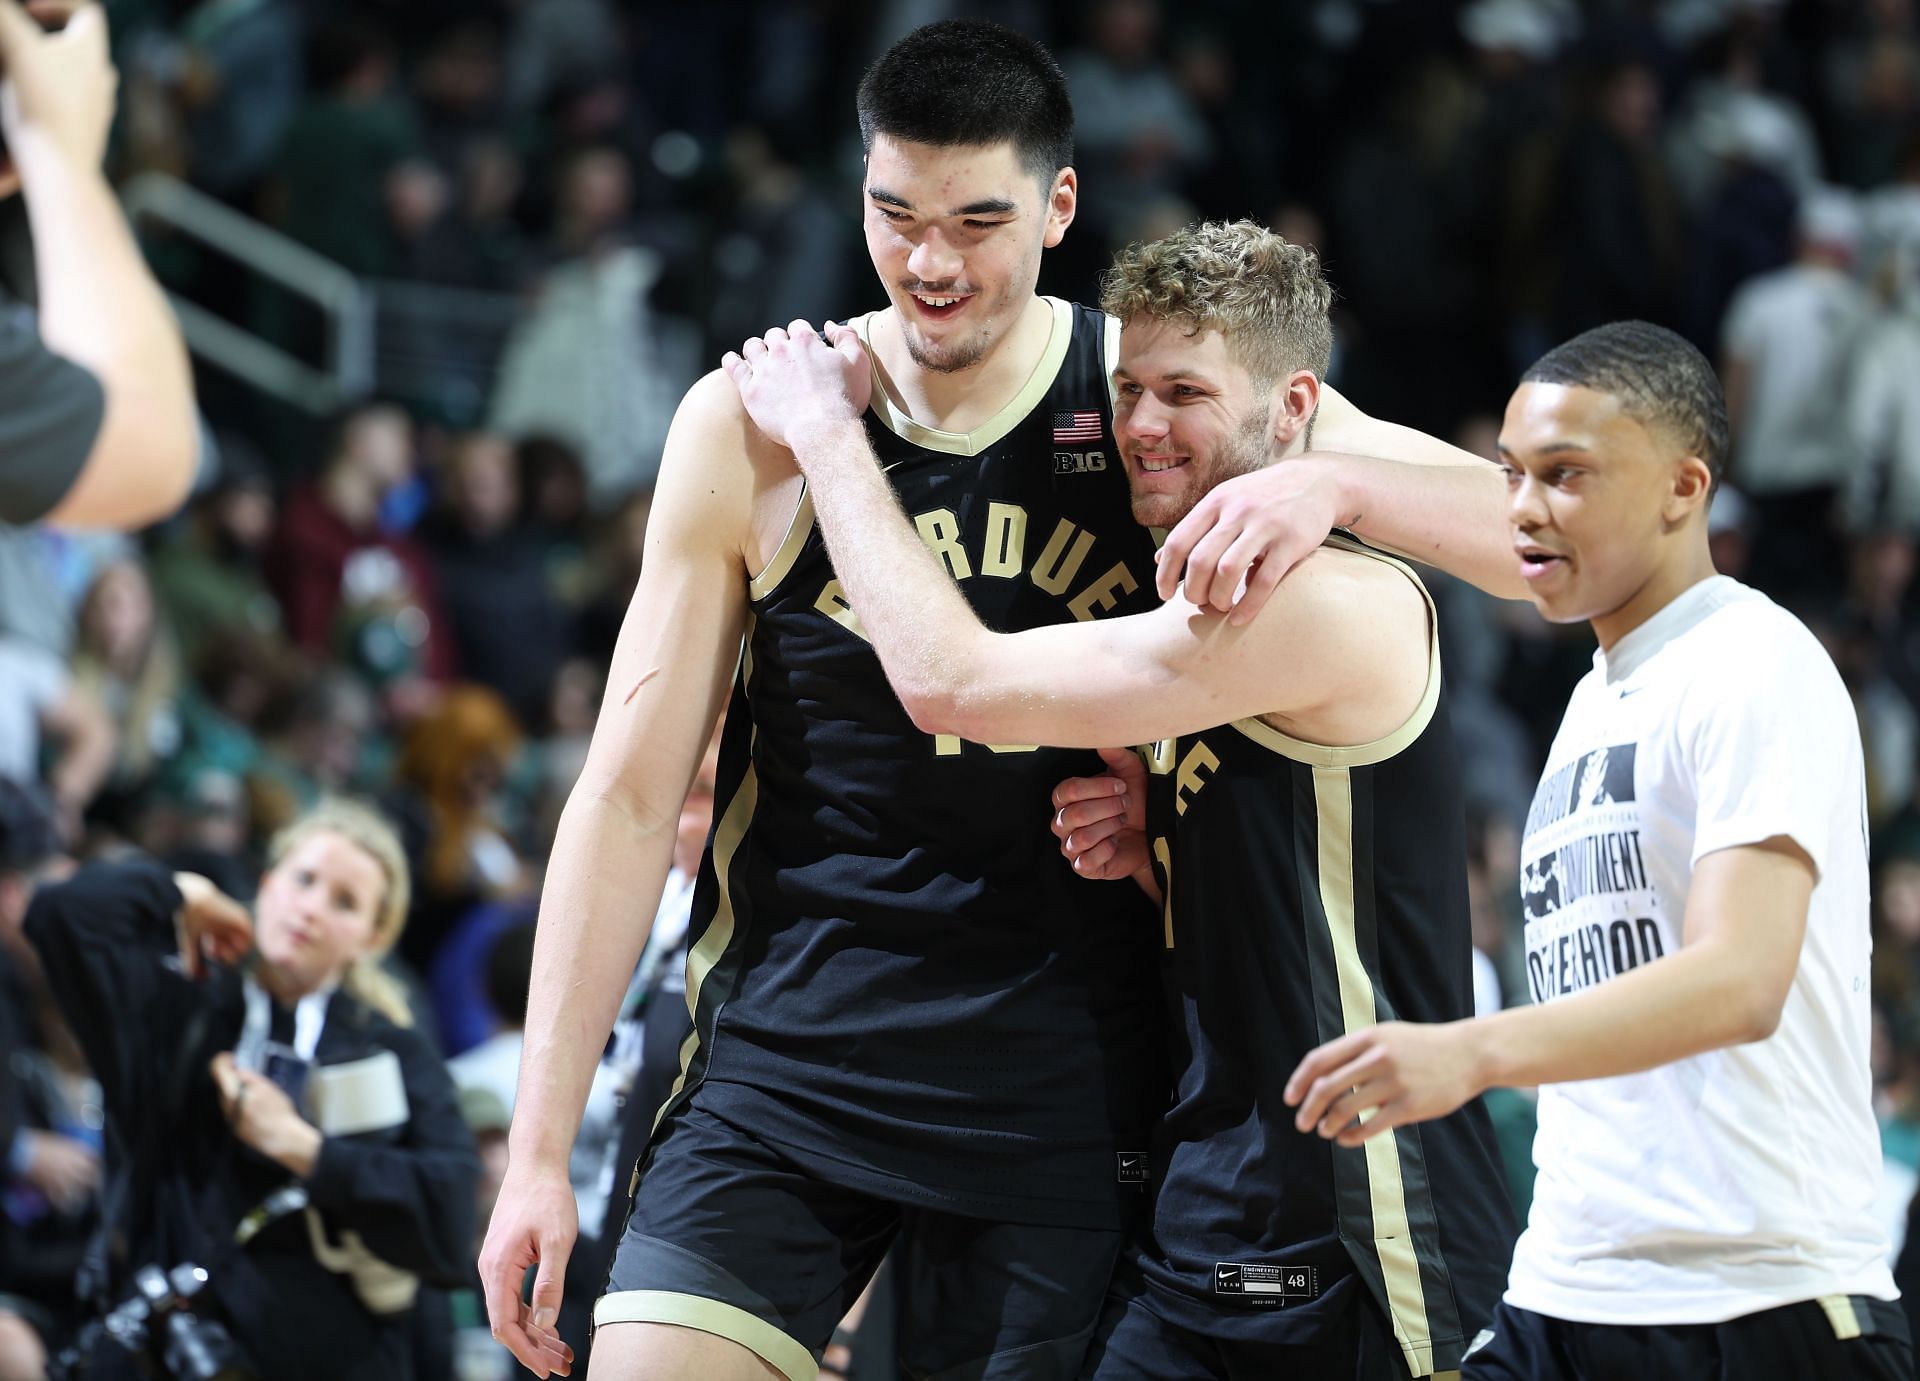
column 1695, row 888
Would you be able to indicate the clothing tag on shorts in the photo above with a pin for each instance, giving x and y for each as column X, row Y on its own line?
column 1132, row 1166
column 1257, row 1283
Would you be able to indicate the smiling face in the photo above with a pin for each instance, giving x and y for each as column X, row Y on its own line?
column 956, row 236
column 1189, row 416
column 1600, row 505
column 319, row 910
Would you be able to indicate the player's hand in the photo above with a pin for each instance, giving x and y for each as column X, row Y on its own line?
column 1101, row 822
column 795, row 380
column 211, row 925
column 1391, row 1074
column 1252, row 529
column 535, row 1219
column 56, row 88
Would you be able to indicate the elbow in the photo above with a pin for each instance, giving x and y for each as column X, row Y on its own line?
column 1755, row 1015
column 933, row 708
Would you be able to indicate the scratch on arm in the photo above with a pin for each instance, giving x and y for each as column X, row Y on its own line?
column 637, row 684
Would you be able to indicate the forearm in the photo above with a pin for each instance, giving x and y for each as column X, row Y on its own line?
column 1453, row 517
column 604, row 879
column 1684, row 1005
column 100, row 307
column 919, row 623
column 86, row 757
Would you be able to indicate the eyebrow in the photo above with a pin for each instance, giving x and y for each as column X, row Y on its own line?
column 990, row 206
column 1177, row 376
column 1550, row 449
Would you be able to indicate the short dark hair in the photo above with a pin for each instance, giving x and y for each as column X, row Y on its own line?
column 970, row 82
column 1658, row 377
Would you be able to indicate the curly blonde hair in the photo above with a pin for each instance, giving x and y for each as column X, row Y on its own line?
column 1266, row 295
column 367, row 830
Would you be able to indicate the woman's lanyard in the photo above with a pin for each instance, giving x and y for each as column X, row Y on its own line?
column 309, row 1018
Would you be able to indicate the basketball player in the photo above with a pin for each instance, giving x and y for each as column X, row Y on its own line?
column 1696, row 903
column 912, row 1024
column 1305, row 808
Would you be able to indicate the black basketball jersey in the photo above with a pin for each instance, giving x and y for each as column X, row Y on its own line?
column 896, row 978
column 1309, row 892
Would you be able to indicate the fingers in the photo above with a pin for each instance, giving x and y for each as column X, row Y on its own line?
column 1205, row 584
column 1085, row 830
column 1261, row 584
column 87, row 28
column 1095, row 862
column 1171, row 562
column 1088, row 788
column 555, row 1357
column 732, row 365
column 501, row 1285
column 1236, row 564
column 1318, row 1063
column 18, row 32
column 847, row 341
column 1079, row 814
column 226, row 1074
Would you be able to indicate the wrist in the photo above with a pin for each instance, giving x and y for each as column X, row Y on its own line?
column 812, row 438
column 296, row 1147
column 1481, row 1052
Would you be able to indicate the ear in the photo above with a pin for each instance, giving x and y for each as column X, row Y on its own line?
column 1692, row 489
column 1294, row 403
column 1062, row 202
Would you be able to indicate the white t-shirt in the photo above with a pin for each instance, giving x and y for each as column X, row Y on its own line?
column 1744, row 1178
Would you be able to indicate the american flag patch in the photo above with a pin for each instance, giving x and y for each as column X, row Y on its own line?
column 1069, row 427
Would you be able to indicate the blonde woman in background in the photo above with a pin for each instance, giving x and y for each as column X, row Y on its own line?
column 287, row 1128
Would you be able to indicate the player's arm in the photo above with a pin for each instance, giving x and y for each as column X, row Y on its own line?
column 1400, row 489
column 676, row 653
column 1125, row 680
column 1746, row 918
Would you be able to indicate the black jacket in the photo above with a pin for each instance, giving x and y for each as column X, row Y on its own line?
column 107, row 940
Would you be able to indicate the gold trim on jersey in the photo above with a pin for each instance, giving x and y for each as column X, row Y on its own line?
column 717, row 1317
column 1363, row 754
column 781, row 562
column 1113, row 363
column 1392, row 1234
column 893, row 413
column 713, row 942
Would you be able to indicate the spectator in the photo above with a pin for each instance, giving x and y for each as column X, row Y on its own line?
column 1787, row 352
column 346, row 585
column 455, row 759
column 209, row 575
column 366, row 1192
column 49, row 1170
column 329, row 175
column 509, row 631
column 126, row 663
column 1137, row 129
column 39, row 702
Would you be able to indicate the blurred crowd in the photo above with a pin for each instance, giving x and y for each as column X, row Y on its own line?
column 415, row 601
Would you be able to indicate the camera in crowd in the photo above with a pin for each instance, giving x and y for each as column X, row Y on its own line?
column 156, row 1325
